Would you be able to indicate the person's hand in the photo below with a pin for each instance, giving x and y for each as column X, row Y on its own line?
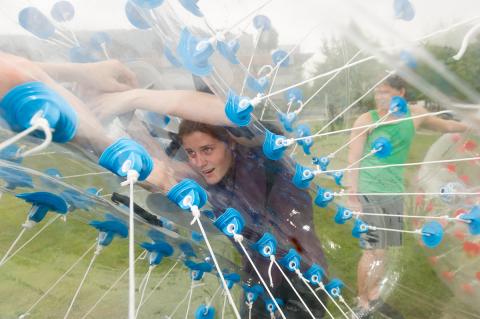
column 107, row 76
column 353, row 202
column 111, row 105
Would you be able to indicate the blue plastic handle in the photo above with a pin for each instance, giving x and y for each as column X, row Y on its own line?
column 135, row 18
column 273, row 146
column 266, row 245
column 109, row 228
column 62, row 11
column 257, row 85
column 194, row 54
column 15, row 178
column 360, row 227
column 293, row 95
column 270, row 306
column 473, row 219
column 261, row 22
column 315, row 274
column 342, row 215
column 188, row 193
column 231, row 222
column 432, row 234
column 287, row 120
column 280, row 56
column 229, row 50
column 303, row 176
column 324, row 197
column 403, row 10
column 334, row 287
column 35, row 22
column 192, row 7
column 291, row 260
column 238, row 109
column 252, row 292
column 383, row 146
column 205, row 312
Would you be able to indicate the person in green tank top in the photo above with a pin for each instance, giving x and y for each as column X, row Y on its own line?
column 379, row 189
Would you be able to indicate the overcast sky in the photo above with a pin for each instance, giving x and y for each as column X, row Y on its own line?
column 292, row 18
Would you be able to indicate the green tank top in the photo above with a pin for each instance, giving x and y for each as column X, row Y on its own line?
column 390, row 179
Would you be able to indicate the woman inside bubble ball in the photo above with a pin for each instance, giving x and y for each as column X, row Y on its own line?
column 371, row 267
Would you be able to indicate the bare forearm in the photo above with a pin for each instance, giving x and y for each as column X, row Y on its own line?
column 68, row 72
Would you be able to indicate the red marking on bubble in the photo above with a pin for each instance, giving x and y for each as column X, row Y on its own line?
column 420, row 200
column 477, row 275
column 469, row 145
column 459, row 234
column 468, row 288
column 443, row 222
column 456, row 137
column 429, row 207
column 448, row 275
column 465, row 179
column 459, row 211
column 433, row 260
column 472, row 249
column 452, row 168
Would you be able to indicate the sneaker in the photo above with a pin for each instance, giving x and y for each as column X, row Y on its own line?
column 360, row 313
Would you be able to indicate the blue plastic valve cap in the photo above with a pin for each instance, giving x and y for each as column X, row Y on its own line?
column 382, row 146
column 257, row 85
column 360, row 227
column 303, row 176
column 21, row 103
column 324, row 197
column 334, row 287
column 403, row 10
column 109, row 228
column 231, row 222
column 238, row 109
column 273, row 145
column 432, row 234
column 229, row 50
column 43, row 202
column 35, row 22
column 293, row 95
column 270, row 306
column 124, row 155
column 15, row 178
column 148, row 4
column 188, row 193
column 287, row 120
column 398, row 106
column 266, row 245
column 473, row 219
column 194, row 54
column 261, row 22
column 192, row 7
column 315, row 274
column 203, row 311
column 252, row 292
column 280, row 56
column 343, row 214
column 291, row 260
column 62, row 11
column 135, row 18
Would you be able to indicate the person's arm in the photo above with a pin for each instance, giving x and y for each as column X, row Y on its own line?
column 438, row 124
column 355, row 152
column 105, row 76
column 189, row 105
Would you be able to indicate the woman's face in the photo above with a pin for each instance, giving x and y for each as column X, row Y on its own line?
column 208, row 156
column 383, row 95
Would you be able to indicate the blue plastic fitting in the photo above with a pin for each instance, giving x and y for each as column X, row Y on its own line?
column 403, row 10
column 187, row 250
column 188, row 193
column 337, row 177
column 10, row 153
column 52, row 172
column 76, row 200
column 148, row 4
column 124, row 155
column 35, row 22
column 15, row 178
column 62, row 11
column 196, row 236
column 157, row 250
column 205, row 312
column 270, row 306
column 409, row 60
column 287, row 120
column 342, row 215
column 382, row 146
column 322, row 162
column 231, row 279
column 315, row 274
column 100, row 39
column 266, row 245
column 257, row 85
column 109, row 228
column 21, row 103
column 231, row 222
column 273, row 146
column 432, row 234
column 238, row 109
column 303, row 131
column 280, row 56
column 252, row 292
column 194, row 54
column 135, row 18
column 473, row 220
column 197, row 270
column 398, row 106
column 360, row 227
column 291, row 260
column 293, row 95
column 229, row 50
column 303, row 176
column 334, row 287
column 192, row 7
column 261, row 22
column 324, row 197
column 43, row 202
